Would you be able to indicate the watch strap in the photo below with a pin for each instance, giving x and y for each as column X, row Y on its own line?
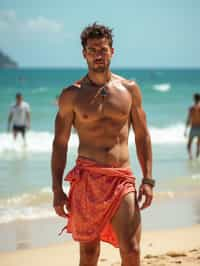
column 149, row 181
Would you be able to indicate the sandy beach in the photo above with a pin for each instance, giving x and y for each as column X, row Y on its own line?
column 164, row 247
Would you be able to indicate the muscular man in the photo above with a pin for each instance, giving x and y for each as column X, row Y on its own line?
column 102, row 202
column 193, row 120
column 19, row 116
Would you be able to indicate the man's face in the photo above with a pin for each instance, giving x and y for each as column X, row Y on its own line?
column 18, row 99
column 98, row 54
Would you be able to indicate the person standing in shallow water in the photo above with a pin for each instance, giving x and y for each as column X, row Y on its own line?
column 19, row 116
column 102, row 203
column 193, row 120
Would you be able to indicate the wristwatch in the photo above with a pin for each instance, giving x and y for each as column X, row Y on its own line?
column 149, row 181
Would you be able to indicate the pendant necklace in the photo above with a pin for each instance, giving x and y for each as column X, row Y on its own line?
column 102, row 90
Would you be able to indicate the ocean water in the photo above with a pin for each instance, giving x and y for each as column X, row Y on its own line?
column 25, row 177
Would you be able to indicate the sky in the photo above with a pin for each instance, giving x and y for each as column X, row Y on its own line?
column 147, row 33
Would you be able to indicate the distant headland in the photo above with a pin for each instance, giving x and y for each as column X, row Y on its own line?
column 6, row 61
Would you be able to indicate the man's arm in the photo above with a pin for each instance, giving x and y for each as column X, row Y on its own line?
column 187, row 124
column 63, row 125
column 143, row 144
column 10, row 117
column 28, row 119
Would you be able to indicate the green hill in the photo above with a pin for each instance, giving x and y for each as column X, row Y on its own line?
column 6, row 61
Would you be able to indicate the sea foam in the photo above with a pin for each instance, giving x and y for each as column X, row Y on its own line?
column 41, row 142
column 25, row 213
column 36, row 142
column 28, row 206
column 24, row 207
column 171, row 134
column 165, row 87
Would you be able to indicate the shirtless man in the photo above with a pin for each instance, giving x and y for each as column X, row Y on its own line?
column 193, row 120
column 102, row 107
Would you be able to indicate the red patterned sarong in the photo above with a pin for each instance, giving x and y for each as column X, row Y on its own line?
column 95, row 194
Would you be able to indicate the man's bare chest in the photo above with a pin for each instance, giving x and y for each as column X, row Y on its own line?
column 92, row 105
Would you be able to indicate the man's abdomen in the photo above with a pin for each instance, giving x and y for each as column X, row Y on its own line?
column 116, row 155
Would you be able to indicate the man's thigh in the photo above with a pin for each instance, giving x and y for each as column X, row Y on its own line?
column 127, row 220
column 19, row 129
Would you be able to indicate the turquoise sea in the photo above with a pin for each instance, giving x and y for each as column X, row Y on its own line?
column 25, row 178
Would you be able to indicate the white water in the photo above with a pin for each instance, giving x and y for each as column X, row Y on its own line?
column 165, row 87
column 41, row 142
column 23, row 207
column 28, row 206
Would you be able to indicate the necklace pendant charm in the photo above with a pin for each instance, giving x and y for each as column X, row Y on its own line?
column 103, row 92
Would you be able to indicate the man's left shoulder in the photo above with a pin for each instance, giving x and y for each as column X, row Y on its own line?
column 129, row 84
column 26, row 105
column 134, row 90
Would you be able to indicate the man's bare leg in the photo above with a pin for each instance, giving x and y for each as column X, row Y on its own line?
column 127, row 225
column 89, row 253
column 24, row 137
column 198, row 147
column 14, row 134
column 189, row 146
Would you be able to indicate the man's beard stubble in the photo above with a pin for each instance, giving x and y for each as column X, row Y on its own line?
column 99, row 69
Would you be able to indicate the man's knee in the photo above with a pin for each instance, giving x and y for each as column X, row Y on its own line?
column 89, row 253
column 130, row 247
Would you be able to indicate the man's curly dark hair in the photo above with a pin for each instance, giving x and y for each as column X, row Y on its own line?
column 96, row 31
column 196, row 97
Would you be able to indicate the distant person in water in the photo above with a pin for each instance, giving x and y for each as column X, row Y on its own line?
column 193, row 120
column 19, row 117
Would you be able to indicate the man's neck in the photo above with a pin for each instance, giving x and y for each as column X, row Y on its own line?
column 99, row 78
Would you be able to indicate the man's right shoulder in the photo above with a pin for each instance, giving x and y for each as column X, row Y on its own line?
column 69, row 91
column 69, row 94
column 12, row 106
column 191, row 108
column 72, row 90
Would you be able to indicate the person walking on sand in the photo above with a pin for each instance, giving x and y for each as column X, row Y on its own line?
column 19, row 116
column 193, row 120
column 102, row 202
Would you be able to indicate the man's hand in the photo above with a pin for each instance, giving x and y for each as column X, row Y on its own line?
column 60, row 202
column 147, row 191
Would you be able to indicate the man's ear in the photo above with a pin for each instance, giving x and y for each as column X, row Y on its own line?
column 112, row 51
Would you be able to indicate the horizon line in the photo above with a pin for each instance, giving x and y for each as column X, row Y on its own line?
column 115, row 67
